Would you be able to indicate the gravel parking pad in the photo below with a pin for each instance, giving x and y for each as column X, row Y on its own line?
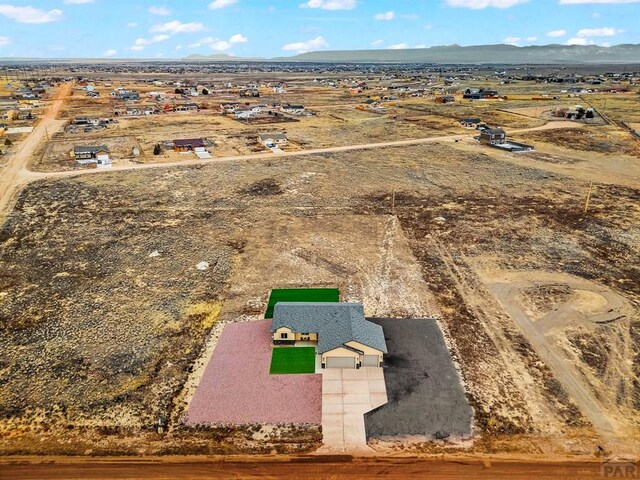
column 425, row 393
column 236, row 386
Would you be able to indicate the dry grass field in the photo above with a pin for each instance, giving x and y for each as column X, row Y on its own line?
column 106, row 323
column 77, row 251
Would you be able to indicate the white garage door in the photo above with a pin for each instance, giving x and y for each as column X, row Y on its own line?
column 341, row 362
column 370, row 360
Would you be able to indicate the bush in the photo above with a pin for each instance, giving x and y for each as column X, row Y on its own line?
column 157, row 150
column 205, row 91
column 8, row 142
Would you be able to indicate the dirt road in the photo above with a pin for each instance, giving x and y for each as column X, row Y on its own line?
column 16, row 174
column 303, row 467
column 313, row 151
column 506, row 289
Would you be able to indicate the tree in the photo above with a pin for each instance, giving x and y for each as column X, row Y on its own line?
column 157, row 150
column 8, row 142
column 205, row 91
column 179, row 91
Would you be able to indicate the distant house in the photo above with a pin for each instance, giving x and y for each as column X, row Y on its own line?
column 189, row 144
column 493, row 136
column 98, row 154
column 496, row 137
column 470, row 122
column 137, row 111
column 229, row 107
column 273, row 139
column 186, row 107
column 479, row 93
column 344, row 338
column 249, row 92
column 293, row 109
column 86, row 121
column 243, row 113
column 128, row 95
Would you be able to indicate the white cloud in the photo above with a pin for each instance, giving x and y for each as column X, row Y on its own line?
column 512, row 41
column 598, row 32
column 132, row 24
column 176, row 26
column 398, row 46
column 330, row 4
column 141, row 43
column 532, row 38
column 161, row 11
column 238, row 38
column 409, row 16
column 556, row 33
column 308, row 46
column 109, row 53
column 601, row 2
column 77, row 2
column 220, row 45
column 178, row 47
column 218, row 4
column 29, row 14
column 4, row 41
column 579, row 41
column 479, row 4
column 385, row 16
column 377, row 43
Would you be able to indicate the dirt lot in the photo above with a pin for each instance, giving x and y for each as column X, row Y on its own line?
column 56, row 155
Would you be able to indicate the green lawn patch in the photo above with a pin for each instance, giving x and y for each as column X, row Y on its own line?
column 293, row 360
column 301, row 295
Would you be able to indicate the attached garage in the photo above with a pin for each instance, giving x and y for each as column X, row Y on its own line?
column 370, row 361
column 341, row 362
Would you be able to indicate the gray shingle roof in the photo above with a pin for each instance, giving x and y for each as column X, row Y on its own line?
column 335, row 323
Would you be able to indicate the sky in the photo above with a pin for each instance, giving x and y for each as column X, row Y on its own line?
column 273, row 28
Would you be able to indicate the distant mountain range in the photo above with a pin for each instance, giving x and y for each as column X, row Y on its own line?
column 499, row 54
column 450, row 54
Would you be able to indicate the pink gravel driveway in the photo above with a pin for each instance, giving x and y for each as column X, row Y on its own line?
column 236, row 386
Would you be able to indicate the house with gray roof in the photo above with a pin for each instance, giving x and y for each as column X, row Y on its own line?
column 344, row 338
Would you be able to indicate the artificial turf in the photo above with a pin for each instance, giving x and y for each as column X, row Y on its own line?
column 301, row 295
column 293, row 360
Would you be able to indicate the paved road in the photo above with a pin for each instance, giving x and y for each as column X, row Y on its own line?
column 15, row 174
column 309, row 467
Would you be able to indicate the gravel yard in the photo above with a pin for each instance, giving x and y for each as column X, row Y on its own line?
column 236, row 386
column 426, row 397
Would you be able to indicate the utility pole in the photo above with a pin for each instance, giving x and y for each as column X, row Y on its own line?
column 393, row 202
column 586, row 203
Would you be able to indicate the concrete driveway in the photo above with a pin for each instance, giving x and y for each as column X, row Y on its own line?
column 346, row 396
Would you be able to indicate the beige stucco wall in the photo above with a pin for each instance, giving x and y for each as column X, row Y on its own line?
column 312, row 336
column 364, row 348
column 277, row 335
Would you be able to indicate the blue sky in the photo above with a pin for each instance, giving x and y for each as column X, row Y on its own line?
column 269, row 28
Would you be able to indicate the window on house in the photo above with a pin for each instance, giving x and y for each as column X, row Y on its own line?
column 284, row 335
